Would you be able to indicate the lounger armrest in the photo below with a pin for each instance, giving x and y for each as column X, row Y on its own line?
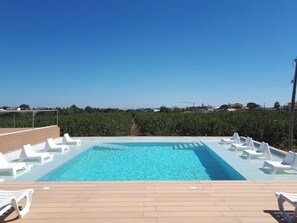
column 25, row 210
column 281, row 198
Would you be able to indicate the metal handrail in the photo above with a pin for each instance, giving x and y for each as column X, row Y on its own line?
column 34, row 112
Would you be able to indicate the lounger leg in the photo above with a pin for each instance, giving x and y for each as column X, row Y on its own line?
column 243, row 154
column 271, row 168
column 25, row 210
column 281, row 201
column 294, row 218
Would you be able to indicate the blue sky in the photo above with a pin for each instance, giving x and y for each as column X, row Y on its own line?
column 148, row 53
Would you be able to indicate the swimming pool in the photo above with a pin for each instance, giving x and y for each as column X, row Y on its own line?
column 194, row 149
column 145, row 161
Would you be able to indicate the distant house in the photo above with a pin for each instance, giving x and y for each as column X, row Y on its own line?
column 268, row 108
column 201, row 109
column 235, row 106
column 12, row 109
column 289, row 105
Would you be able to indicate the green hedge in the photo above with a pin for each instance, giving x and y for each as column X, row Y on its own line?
column 268, row 126
column 85, row 124
column 97, row 124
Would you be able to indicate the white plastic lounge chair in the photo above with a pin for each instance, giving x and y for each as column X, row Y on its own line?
column 28, row 154
column 234, row 139
column 10, row 168
column 50, row 145
column 69, row 141
column 10, row 199
column 288, row 163
column 248, row 144
column 262, row 151
column 290, row 198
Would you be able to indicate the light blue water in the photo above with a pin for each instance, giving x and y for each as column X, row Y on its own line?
column 145, row 161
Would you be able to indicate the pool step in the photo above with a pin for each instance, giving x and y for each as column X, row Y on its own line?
column 188, row 146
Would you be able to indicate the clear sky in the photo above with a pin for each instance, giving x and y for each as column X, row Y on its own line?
column 146, row 53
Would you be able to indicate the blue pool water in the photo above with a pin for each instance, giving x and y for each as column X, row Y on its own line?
column 145, row 161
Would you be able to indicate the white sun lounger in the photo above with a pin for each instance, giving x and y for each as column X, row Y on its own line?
column 28, row 154
column 69, row 141
column 248, row 144
column 50, row 145
column 10, row 199
column 262, row 151
column 10, row 168
column 288, row 163
column 290, row 198
column 234, row 139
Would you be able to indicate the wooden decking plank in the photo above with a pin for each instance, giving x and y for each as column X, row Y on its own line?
column 213, row 219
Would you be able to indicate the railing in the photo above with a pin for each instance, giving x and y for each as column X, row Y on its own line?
column 34, row 112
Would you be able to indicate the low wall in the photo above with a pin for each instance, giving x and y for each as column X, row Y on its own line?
column 15, row 140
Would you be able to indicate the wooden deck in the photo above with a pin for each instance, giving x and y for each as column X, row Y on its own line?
column 10, row 130
column 156, row 202
column 12, row 139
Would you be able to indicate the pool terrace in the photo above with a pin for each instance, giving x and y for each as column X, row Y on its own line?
column 249, row 169
column 152, row 201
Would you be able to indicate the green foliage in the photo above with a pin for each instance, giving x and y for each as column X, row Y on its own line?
column 96, row 124
column 24, row 107
column 176, row 109
column 252, row 105
column 276, row 105
column 223, row 107
column 89, row 109
column 165, row 109
column 268, row 126
column 85, row 124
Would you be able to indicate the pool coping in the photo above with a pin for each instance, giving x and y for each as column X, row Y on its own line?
column 88, row 140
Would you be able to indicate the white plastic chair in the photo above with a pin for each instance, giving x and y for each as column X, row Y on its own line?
column 234, row 139
column 248, row 144
column 28, row 154
column 262, row 151
column 69, row 141
column 290, row 198
column 50, row 145
column 10, row 199
column 10, row 168
column 288, row 163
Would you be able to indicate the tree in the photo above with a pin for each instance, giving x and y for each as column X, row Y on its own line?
column 252, row 105
column 276, row 105
column 165, row 109
column 73, row 108
column 223, row 107
column 176, row 109
column 24, row 107
column 89, row 109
